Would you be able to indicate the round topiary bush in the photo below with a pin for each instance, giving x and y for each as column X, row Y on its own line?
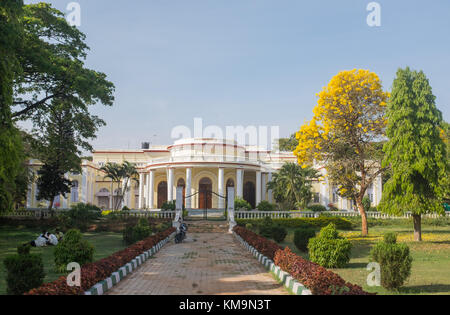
column 265, row 206
column 302, row 237
column 265, row 228
column 329, row 249
column 73, row 248
column 395, row 261
column 278, row 233
column 24, row 271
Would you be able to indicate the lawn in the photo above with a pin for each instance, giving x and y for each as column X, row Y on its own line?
column 431, row 265
column 10, row 237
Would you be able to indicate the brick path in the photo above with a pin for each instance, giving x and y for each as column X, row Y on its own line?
column 206, row 264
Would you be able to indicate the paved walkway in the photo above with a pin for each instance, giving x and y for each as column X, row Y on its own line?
column 206, row 264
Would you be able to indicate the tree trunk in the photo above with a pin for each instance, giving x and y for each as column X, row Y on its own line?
column 362, row 211
column 417, row 227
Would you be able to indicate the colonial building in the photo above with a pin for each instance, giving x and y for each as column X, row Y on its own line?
column 205, row 168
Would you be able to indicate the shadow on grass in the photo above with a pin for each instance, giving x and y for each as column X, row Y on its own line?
column 421, row 289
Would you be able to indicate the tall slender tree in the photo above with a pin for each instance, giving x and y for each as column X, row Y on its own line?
column 59, row 153
column 415, row 150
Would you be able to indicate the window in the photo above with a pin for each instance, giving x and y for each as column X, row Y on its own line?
column 335, row 195
column 74, row 191
column 316, row 197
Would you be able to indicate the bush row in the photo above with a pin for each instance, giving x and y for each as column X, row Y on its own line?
column 263, row 245
column 340, row 223
column 98, row 271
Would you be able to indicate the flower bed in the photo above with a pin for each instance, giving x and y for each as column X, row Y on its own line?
column 93, row 273
column 263, row 245
column 314, row 277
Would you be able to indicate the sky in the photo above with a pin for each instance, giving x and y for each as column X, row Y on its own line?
column 248, row 62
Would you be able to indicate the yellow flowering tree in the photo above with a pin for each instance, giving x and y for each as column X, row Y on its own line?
column 346, row 132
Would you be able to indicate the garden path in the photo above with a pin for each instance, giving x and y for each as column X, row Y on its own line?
column 205, row 264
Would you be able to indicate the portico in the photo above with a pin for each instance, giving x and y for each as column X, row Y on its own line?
column 198, row 179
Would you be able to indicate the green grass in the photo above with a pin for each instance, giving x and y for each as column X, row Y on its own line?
column 10, row 237
column 431, row 266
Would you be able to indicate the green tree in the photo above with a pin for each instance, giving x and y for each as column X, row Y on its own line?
column 292, row 185
column 122, row 175
column 59, row 152
column 415, row 151
column 288, row 144
column 52, row 56
column 11, row 151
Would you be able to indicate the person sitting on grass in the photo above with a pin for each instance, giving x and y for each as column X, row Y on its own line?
column 41, row 241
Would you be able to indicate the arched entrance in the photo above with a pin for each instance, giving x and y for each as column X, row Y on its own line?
column 182, row 183
column 250, row 194
column 205, row 193
column 162, row 194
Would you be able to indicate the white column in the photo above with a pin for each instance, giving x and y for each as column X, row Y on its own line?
column 170, row 185
column 264, row 187
column 269, row 192
column 258, row 188
column 141, row 190
column 220, row 188
column 188, row 188
column 239, row 184
column 151, row 189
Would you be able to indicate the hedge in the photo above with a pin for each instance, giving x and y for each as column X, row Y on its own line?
column 317, row 223
column 93, row 273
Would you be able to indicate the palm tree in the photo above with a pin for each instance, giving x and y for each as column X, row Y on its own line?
column 122, row 175
column 292, row 185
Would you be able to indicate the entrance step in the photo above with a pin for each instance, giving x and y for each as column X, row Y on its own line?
column 208, row 226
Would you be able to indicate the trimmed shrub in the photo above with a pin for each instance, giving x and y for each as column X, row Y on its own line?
column 242, row 205
column 330, row 250
column 73, row 248
column 25, row 271
column 317, row 208
column 390, row 238
column 265, row 227
column 266, row 206
column 279, row 233
column 395, row 261
column 302, row 237
column 134, row 234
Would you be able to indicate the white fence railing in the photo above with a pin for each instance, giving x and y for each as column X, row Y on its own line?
column 255, row 215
